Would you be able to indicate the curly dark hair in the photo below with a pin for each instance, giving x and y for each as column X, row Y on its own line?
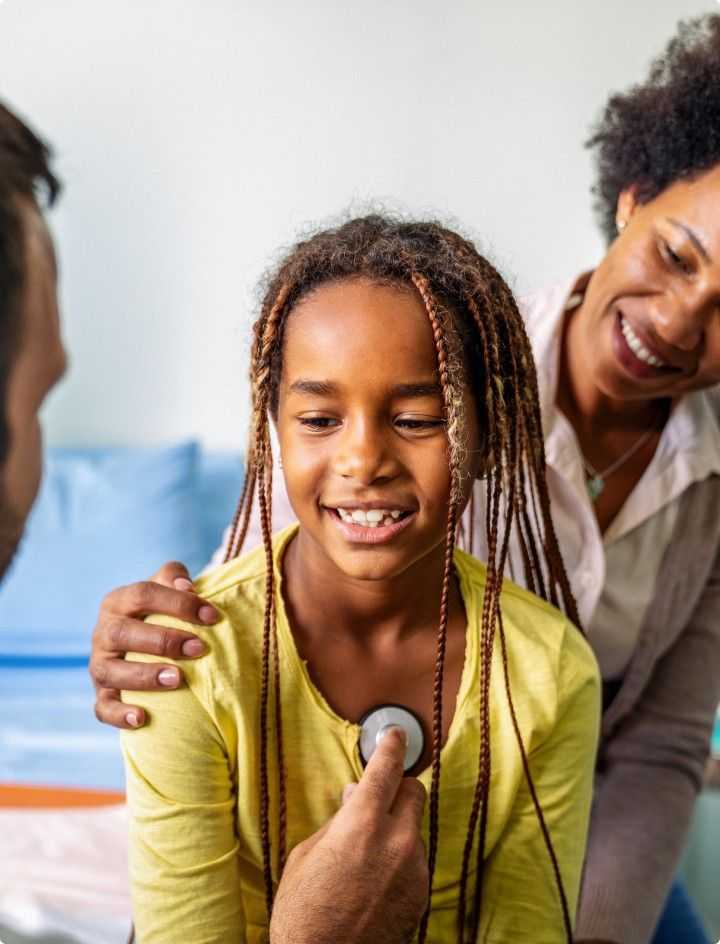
column 665, row 128
column 475, row 319
column 24, row 171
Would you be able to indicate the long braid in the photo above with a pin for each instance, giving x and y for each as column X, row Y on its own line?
column 450, row 400
column 480, row 805
column 567, row 920
column 266, row 340
column 518, row 439
column 521, row 437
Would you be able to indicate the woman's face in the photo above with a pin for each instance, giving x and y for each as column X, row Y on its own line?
column 361, row 429
column 650, row 322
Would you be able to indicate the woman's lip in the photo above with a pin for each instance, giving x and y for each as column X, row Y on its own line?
column 361, row 534
column 632, row 364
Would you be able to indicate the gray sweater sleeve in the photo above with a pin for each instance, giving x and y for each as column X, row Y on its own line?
column 651, row 771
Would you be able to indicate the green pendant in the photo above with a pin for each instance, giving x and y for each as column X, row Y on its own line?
column 595, row 485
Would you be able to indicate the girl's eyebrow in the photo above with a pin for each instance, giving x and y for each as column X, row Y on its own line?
column 317, row 388
column 325, row 388
column 416, row 390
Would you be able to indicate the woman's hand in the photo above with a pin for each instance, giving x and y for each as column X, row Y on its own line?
column 120, row 629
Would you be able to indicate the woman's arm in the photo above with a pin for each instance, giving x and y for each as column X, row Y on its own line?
column 653, row 770
column 183, row 845
column 520, row 896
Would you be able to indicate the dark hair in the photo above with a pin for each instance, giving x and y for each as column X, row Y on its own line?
column 466, row 302
column 664, row 129
column 24, row 171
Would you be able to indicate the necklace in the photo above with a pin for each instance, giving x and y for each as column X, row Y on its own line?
column 596, row 480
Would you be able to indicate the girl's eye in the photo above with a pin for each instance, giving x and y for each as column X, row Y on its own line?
column 676, row 260
column 412, row 424
column 318, row 423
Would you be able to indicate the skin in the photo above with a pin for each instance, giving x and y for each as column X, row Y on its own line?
column 350, row 435
column 663, row 273
column 39, row 364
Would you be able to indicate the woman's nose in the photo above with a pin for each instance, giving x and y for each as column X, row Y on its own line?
column 680, row 323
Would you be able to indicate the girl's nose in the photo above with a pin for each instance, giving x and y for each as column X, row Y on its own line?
column 362, row 454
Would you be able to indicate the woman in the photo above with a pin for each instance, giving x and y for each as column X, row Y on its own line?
column 627, row 358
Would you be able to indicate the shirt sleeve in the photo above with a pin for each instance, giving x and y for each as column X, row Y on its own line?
column 520, row 900
column 184, row 869
column 652, row 772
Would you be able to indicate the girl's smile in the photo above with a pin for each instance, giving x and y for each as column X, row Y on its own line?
column 369, row 523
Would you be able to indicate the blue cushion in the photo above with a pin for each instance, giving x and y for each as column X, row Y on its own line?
column 104, row 517
column 48, row 732
column 219, row 485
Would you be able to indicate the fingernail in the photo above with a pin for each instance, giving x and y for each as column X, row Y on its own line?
column 168, row 677
column 193, row 647
column 348, row 791
column 133, row 719
column 392, row 727
column 182, row 583
column 208, row 614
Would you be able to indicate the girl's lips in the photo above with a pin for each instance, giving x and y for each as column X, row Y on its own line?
column 361, row 534
column 632, row 364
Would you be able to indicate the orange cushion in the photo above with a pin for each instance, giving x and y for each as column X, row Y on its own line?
column 17, row 796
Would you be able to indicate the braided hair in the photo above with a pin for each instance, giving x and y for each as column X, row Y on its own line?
column 467, row 302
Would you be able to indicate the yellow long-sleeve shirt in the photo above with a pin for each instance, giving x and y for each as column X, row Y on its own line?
column 193, row 771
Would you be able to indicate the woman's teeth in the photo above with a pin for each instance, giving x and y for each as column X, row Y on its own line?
column 373, row 518
column 637, row 347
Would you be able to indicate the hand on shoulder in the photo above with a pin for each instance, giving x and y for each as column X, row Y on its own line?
column 121, row 629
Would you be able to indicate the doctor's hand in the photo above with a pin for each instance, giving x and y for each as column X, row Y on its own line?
column 363, row 878
column 120, row 628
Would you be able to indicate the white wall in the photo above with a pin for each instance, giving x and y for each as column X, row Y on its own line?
column 195, row 138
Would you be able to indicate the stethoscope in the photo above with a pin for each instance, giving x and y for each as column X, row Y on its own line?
column 375, row 723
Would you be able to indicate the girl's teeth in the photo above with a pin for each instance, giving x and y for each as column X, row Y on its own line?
column 637, row 347
column 369, row 519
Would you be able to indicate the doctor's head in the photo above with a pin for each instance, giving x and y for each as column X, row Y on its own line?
column 32, row 357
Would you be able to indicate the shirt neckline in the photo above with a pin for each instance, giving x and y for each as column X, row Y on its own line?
column 348, row 730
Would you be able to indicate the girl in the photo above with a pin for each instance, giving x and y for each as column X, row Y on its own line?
column 394, row 364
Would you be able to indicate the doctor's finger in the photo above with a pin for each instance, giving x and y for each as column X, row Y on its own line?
column 383, row 775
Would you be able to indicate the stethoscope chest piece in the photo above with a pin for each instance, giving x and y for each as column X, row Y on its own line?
column 374, row 724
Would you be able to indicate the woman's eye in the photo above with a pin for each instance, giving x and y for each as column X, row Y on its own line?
column 676, row 260
column 318, row 422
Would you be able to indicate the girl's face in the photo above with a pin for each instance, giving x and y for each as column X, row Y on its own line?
column 361, row 430
column 650, row 322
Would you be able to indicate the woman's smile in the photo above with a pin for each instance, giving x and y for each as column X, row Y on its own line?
column 637, row 354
